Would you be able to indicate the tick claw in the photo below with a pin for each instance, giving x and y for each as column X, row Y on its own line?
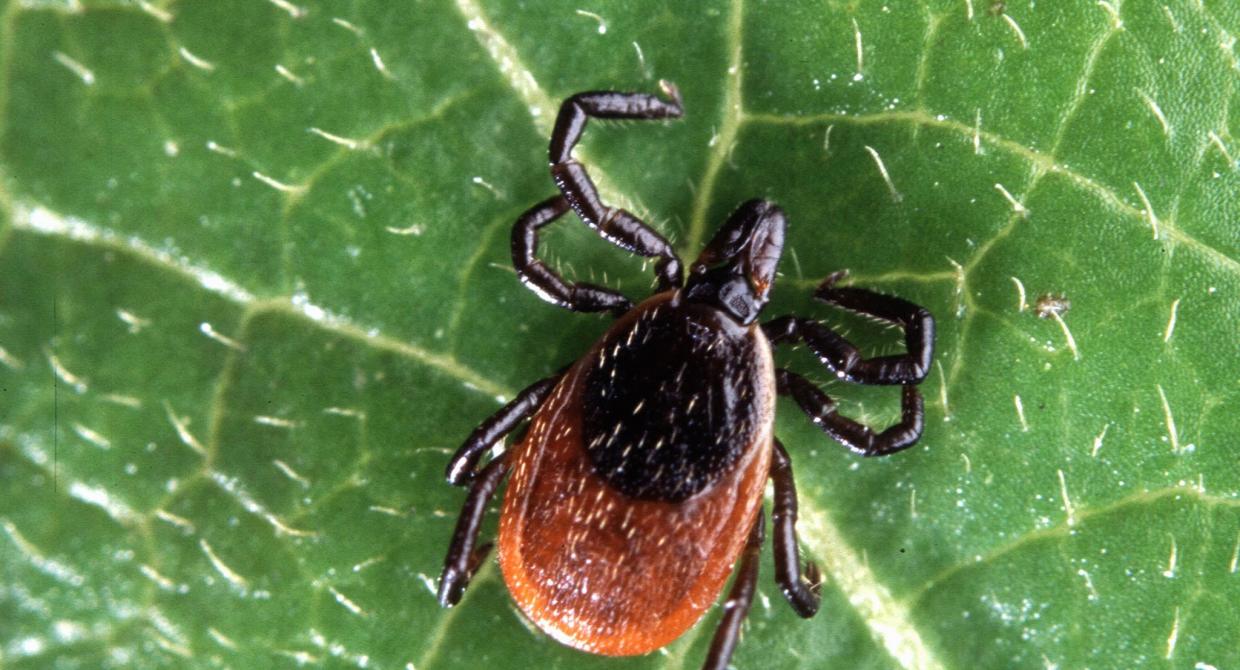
column 813, row 577
column 450, row 588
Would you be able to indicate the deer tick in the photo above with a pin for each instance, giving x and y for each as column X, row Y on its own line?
column 638, row 484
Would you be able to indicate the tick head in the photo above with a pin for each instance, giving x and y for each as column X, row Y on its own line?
column 735, row 271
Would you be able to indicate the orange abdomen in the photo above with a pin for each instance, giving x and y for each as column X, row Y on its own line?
column 619, row 574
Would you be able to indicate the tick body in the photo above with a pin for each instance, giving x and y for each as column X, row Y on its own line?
column 640, row 479
column 637, row 488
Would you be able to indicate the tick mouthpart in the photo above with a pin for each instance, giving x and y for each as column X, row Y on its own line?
column 735, row 270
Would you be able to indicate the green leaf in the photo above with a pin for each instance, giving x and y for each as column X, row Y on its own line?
column 255, row 286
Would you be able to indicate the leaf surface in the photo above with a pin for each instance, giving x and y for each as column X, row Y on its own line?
column 255, row 286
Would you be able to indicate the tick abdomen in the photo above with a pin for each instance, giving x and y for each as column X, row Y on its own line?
column 592, row 551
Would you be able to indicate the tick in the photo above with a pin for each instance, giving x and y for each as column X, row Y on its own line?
column 638, row 484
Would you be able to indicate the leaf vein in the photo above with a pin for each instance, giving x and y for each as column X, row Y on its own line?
column 1043, row 162
column 733, row 116
column 40, row 220
column 1080, row 516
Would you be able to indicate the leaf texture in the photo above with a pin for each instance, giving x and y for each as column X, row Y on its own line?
column 255, row 286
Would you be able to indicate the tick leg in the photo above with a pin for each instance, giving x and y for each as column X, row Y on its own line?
column 802, row 593
column 859, row 438
column 617, row 226
column 463, row 556
column 464, row 463
column 736, row 607
column 577, row 296
column 842, row 357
